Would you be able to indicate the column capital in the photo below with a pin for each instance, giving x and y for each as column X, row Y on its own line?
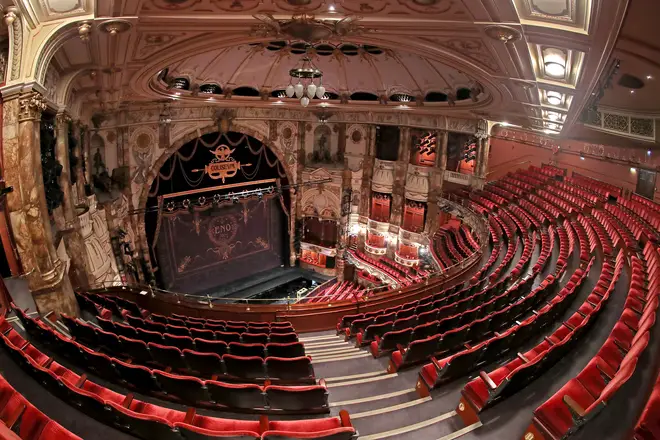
column 62, row 118
column 31, row 105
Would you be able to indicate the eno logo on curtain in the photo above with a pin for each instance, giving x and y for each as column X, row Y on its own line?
column 222, row 166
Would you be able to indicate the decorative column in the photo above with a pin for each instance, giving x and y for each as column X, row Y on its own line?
column 86, row 138
column 46, row 275
column 367, row 174
column 79, row 273
column 296, row 199
column 346, row 190
column 399, row 187
column 78, row 153
column 481, row 162
column 436, row 183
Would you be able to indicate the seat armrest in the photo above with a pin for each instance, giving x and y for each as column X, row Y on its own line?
column 263, row 423
column 522, row 357
column 81, row 381
column 127, row 401
column 574, row 407
column 436, row 363
column 487, row 380
column 345, row 419
column 11, row 420
column 190, row 416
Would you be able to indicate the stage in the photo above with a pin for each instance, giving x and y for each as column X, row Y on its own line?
column 253, row 285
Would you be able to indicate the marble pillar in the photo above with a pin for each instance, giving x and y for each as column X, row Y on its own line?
column 477, row 180
column 79, row 273
column 400, row 173
column 436, row 182
column 346, row 188
column 46, row 275
column 367, row 173
column 78, row 152
column 484, row 162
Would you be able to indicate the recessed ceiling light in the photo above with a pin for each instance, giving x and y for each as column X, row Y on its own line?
column 553, row 98
column 649, row 77
column 554, row 61
column 632, row 91
column 331, row 8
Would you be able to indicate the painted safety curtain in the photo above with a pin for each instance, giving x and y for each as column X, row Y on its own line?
column 207, row 247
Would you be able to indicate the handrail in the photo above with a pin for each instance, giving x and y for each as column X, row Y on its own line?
column 320, row 286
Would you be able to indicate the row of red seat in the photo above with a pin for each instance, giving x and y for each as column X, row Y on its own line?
column 171, row 386
column 644, row 209
column 591, row 198
column 221, row 343
column 583, row 397
column 337, row 292
column 250, row 362
column 605, row 189
column 382, row 267
column 648, row 425
column 19, row 416
column 227, row 333
column 649, row 204
column 149, row 421
column 489, row 388
column 639, row 227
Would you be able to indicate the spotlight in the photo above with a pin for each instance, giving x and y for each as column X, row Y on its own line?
column 581, row 157
column 649, row 77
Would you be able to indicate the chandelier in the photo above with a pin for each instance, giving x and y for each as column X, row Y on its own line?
column 306, row 87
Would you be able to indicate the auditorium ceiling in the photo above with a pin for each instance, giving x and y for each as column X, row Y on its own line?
column 531, row 63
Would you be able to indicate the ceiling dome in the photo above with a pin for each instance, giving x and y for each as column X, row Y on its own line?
column 349, row 70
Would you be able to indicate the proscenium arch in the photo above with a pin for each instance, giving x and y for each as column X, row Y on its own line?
column 236, row 126
column 141, row 82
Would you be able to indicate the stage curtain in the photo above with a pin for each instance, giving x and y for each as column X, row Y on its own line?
column 205, row 247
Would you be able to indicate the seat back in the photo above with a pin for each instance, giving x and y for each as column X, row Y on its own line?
column 294, row 369
column 240, row 396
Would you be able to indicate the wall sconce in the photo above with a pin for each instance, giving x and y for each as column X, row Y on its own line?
column 553, row 98
column 554, row 61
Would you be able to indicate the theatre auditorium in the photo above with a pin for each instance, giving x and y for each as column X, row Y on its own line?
column 329, row 219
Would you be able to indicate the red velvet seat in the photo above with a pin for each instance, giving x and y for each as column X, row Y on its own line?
column 254, row 338
column 203, row 364
column 306, row 398
column 247, row 349
column 250, row 368
column 168, row 356
column 179, row 330
column 190, row 390
column 290, row 369
column 144, row 425
column 201, row 333
column 228, row 337
column 283, row 338
column 211, row 346
column 327, row 429
column 285, row 350
column 149, row 336
column 139, row 377
column 125, row 330
column 241, row 396
column 181, row 342
column 136, row 350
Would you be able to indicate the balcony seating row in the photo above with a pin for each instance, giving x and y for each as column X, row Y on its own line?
column 442, row 370
column 179, row 388
column 605, row 189
column 643, row 209
column 221, row 343
column 218, row 355
column 21, row 417
column 648, row 425
column 585, row 396
column 476, row 324
column 489, row 388
column 148, row 421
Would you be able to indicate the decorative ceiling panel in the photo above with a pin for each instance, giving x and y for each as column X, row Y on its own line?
column 572, row 15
